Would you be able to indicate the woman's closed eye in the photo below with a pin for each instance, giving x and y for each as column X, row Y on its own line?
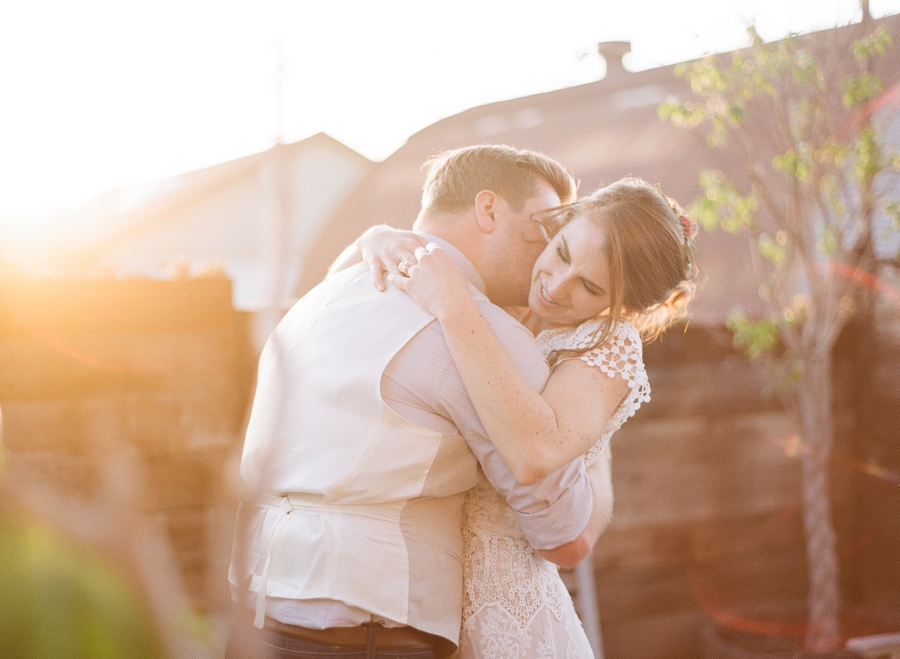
column 562, row 251
column 592, row 288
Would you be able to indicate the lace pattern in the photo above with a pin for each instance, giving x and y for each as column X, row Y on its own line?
column 621, row 356
column 515, row 604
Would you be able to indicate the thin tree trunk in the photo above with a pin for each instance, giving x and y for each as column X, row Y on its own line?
column 824, row 600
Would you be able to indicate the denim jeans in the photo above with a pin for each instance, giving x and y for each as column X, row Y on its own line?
column 255, row 643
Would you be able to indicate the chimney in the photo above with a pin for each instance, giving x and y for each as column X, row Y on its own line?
column 612, row 52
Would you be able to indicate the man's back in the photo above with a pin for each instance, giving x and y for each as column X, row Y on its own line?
column 319, row 377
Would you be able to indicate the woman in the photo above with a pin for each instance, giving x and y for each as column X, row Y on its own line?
column 618, row 268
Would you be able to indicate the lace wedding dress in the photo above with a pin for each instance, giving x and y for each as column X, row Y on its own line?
column 515, row 604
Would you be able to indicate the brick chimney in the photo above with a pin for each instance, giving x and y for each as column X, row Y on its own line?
column 613, row 52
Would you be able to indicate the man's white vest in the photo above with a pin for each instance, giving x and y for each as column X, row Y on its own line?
column 360, row 505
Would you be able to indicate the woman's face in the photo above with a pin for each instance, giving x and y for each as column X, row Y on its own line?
column 570, row 280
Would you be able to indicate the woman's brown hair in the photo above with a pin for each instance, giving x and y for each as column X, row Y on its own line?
column 650, row 251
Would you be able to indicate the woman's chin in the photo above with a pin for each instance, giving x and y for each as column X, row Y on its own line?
column 548, row 320
column 538, row 310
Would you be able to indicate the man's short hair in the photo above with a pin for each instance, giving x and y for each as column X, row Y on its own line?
column 455, row 177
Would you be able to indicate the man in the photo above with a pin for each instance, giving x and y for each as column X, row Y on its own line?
column 362, row 440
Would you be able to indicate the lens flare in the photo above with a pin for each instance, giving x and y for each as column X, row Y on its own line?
column 867, row 279
column 60, row 346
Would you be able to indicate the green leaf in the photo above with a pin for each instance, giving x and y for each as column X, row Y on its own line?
column 872, row 44
column 772, row 249
column 722, row 206
column 794, row 163
column 860, row 89
column 831, row 152
column 757, row 338
column 867, row 155
column 682, row 115
column 827, row 243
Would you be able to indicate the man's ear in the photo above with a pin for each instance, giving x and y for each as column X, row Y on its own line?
column 486, row 203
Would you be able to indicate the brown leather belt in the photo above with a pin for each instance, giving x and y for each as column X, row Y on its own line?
column 387, row 638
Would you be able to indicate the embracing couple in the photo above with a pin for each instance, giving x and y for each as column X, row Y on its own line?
column 424, row 449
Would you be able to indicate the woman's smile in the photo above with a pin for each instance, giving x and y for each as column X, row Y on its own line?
column 545, row 297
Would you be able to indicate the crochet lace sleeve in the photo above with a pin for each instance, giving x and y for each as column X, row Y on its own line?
column 622, row 356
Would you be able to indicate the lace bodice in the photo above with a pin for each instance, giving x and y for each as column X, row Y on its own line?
column 622, row 355
column 515, row 605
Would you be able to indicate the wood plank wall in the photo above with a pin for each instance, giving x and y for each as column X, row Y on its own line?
column 867, row 382
column 707, row 521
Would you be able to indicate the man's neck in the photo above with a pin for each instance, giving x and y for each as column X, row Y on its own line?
column 469, row 270
column 456, row 230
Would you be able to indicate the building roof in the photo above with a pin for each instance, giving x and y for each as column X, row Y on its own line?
column 602, row 131
column 122, row 216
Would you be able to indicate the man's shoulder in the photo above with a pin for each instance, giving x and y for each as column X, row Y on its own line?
column 515, row 338
column 495, row 315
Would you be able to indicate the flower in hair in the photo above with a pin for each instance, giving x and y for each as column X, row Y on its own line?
column 686, row 225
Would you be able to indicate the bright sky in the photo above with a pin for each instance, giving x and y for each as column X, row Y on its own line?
column 103, row 94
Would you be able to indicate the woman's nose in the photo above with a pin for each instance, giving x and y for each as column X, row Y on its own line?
column 557, row 285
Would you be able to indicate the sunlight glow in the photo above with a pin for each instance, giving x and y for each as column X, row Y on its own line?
column 102, row 94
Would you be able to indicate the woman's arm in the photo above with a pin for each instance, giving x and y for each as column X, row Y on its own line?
column 536, row 434
column 382, row 248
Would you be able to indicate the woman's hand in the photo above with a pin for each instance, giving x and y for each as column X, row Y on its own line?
column 384, row 248
column 434, row 281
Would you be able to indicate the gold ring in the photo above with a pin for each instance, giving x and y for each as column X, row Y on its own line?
column 404, row 267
